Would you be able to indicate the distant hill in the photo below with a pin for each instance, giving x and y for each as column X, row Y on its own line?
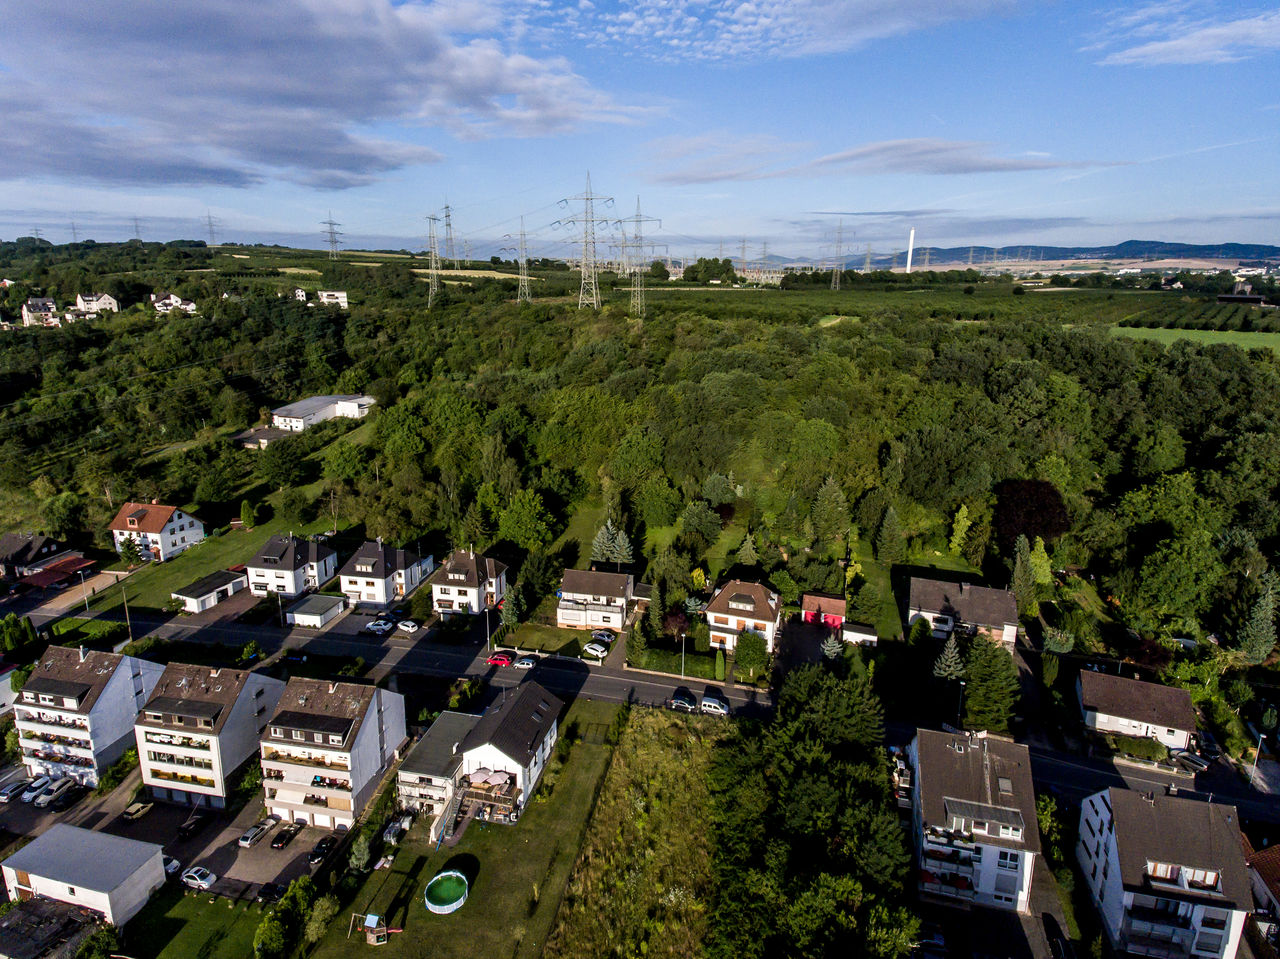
column 1128, row 250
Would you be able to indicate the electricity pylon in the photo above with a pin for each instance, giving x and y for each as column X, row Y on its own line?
column 523, row 294
column 332, row 233
column 433, row 261
column 448, row 237
column 589, row 292
column 837, row 268
column 636, row 267
column 208, row 219
column 137, row 229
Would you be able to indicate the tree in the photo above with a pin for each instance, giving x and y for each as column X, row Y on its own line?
column 1258, row 637
column 658, row 271
column 949, row 665
column 1024, row 583
column 603, row 543
column 280, row 464
column 830, row 512
column 1269, row 718
column 61, row 513
column 1049, row 665
column 788, row 589
column 992, row 687
column 250, row 651
column 361, row 853
column 890, row 548
column 699, row 520
column 751, row 653
column 103, row 944
column 1041, row 569
column 246, row 514
column 718, row 490
column 719, row 665
column 959, row 529
column 130, row 552
column 511, row 609
column 323, row 911
column 747, row 555
column 269, row 938
column 525, row 521
column 343, row 461
column 1058, row 641
column 293, row 508
column 832, row 647
column 1028, row 507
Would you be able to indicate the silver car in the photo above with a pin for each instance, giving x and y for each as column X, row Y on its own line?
column 36, row 787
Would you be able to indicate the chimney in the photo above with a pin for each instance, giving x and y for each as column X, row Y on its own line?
column 333, row 688
column 154, row 501
column 83, row 653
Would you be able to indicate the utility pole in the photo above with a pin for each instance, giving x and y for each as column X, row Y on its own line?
column 636, row 268
column 331, row 231
column 35, row 231
column 523, row 294
column 448, row 236
column 127, row 622
column 589, row 292
column 837, row 267
column 433, row 261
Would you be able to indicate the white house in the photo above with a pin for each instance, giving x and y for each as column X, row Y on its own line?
column 326, row 749
column 296, row 417
column 859, row 634
column 315, row 611
column 199, row 726
column 75, row 714
column 161, row 532
column 973, row 813
column 504, row 754
column 738, row 606
column 1167, row 873
column 39, row 311
column 429, row 777
column 168, row 302
column 1114, row 704
column 467, row 583
column 108, row 874
column 591, row 599
column 208, row 591
column 382, row 574
column 300, row 294
column 97, row 303
column 289, row 566
column 979, row 609
column 332, row 298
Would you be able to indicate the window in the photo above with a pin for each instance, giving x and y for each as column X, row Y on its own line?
column 335, row 740
column 277, row 731
column 1170, row 732
column 1008, row 859
column 299, row 734
column 71, row 890
column 154, row 717
column 1163, row 871
column 1010, row 832
column 319, row 738
column 980, row 825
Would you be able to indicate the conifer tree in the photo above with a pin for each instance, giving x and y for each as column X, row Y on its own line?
column 1041, row 569
column 959, row 529
column 889, row 545
column 1024, row 583
column 1258, row 637
column 949, row 664
column 992, row 688
column 747, row 555
column 830, row 513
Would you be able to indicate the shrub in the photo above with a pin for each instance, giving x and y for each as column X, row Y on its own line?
column 1139, row 747
column 114, row 775
column 719, row 665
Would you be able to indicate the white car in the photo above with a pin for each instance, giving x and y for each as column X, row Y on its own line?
column 605, row 636
column 408, row 625
column 594, row 651
column 197, row 877
column 53, row 791
column 35, row 789
column 714, row 706
column 525, row 662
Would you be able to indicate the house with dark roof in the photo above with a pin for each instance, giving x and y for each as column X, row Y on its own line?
column 97, row 303
column 382, row 574
column 738, row 606
column 431, row 772
column 976, row 609
column 39, row 311
column 208, row 591
column 467, row 582
column 22, row 554
column 504, row 753
column 290, row 565
column 199, row 726
column 75, row 714
column 45, row 929
column 1167, row 873
column 1130, row 707
column 326, row 749
column 1264, row 875
column 590, row 599
column 974, row 818
column 161, row 532
column 165, row 303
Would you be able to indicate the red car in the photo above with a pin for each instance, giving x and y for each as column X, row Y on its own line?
column 500, row 659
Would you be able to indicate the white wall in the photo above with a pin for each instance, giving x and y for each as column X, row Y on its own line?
column 117, row 906
column 1181, row 739
column 726, row 637
column 375, row 744
column 1100, row 863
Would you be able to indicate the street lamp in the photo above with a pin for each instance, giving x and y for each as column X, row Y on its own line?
column 682, row 655
column 84, row 589
column 959, row 703
column 1256, row 756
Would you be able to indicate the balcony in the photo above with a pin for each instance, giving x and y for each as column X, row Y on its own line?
column 41, row 740
column 184, row 762
column 1142, row 945
column 181, row 742
column 60, row 758
column 953, row 861
column 288, row 759
column 308, row 800
column 47, row 723
column 949, row 838
column 1158, row 917
column 953, row 887
column 181, row 778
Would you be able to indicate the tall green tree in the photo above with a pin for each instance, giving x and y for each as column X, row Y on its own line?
column 992, row 689
column 246, row 514
column 949, row 665
column 1258, row 638
column 751, row 653
column 1024, row 581
column 525, row 521
column 890, row 546
column 830, row 513
column 1041, row 570
column 747, row 555
column 959, row 529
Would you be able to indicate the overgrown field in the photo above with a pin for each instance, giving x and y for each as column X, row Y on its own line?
column 641, row 883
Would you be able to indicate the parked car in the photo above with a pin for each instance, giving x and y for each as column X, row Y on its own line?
column 605, row 636
column 53, row 791
column 322, row 850
column 14, row 790
column 378, row 627
column 594, row 651
column 253, row 835
column 197, row 877
column 285, row 835
column 69, row 798
column 35, row 788
column 195, row 822
column 1190, row 761
column 137, row 810
column 270, row 892
column 500, row 659
column 408, row 625
column 526, row 662
column 714, row 706
column 171, row 866
column 682, row 702
column 1208, row 746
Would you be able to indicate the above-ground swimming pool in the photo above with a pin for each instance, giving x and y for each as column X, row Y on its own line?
column 446, row 892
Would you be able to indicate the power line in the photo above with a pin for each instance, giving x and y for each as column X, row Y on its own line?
column 636, row 268
column 75, row 234
column 331, row 231
column 433, row 261
column 589, row 291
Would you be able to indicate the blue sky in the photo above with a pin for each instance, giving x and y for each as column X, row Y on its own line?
column 976, row 121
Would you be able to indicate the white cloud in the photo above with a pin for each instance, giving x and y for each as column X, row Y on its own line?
column 1164, row 34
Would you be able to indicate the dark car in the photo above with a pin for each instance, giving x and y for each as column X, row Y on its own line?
column 270, row 892
column 683, row 702
column 322, row 850
column 195, row 822
column 285, row 835
column 69, row 798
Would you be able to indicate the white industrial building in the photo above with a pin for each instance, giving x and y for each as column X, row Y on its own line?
column 296, row 417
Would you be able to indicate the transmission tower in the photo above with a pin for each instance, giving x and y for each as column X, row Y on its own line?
column 636, row 267
column 75, row 234
column 137, row 229
column 448, row 237
column 331, row 231
column 744, row 254
column 589, row 293
column 837, row 267
column 523, row 295
column 35, row 231
column 466, row 252
column 867, row 266
column 213, row 237
column 433, row 261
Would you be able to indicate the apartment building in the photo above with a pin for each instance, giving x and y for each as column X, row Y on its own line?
column 200, row 725
column 327, row 747
column 289, row 565
column 590, row 599
column 75, row 714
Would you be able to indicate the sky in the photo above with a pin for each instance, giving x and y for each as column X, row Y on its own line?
column 794, row 124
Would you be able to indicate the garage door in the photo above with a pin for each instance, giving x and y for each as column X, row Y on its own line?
column 324, row 822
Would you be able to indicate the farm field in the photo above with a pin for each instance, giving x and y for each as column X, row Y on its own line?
column 1245, row 339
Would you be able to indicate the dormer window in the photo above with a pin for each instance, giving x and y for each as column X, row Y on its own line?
column 1163, row 872
column 133, row 523
column 155, row 717
column 1010, row 832
column 335, row 740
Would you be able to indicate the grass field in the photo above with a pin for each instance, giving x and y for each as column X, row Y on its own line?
column 583, row 524
column 1244, row 339
column 547, row 639
column 178, row 925
column 519, row 872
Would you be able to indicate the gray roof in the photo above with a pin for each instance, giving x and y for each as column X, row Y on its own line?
column 21, row 549
column 1182, row 832
column 1166, row 706
column 434, row 753
column 976, row 776
column 194, row 692
column 385, row 561
column 517, row 723
column 210, row 584
column 83, row 858
column 594, row 583
column 321, row 706
column 975, row 605
column 289, row 552
column 89, row 675
column 312, row 404
column 316, row 605
column 465, row 568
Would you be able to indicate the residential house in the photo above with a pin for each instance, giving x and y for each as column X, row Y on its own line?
column 165, row 303
column 259, row 437
column 1264, row 876
column 591, row 599
column 977, row 609
column 108, row 874
column 822, row 610
column 300, row 294
column 428, row 778
column 198, row 727
column 315, row 611
column 161, row 532
column 39, row 311
column 75, row 714
column 208, row 591
column 1167, row 873
column 97, row 303
column 382, row 574
column 332, row 298
column 289, row 566
column 973, row 812
column 327, row 748
column 296, row 417
column 859, row 634
column 22, row 554
column 1114, row 704
column 738, row 606
column 467, row 583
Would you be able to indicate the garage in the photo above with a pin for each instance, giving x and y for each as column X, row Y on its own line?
column 209, row 591
column 316, row 611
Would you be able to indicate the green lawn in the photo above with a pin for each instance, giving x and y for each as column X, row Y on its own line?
column 179, row 925
column 721, row 554
column 696, row 665
column 519, row 871
column 583, row 524
column 547, row 639
column 1246, row 339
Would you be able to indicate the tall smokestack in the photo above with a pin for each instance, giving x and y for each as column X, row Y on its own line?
column 911, row 246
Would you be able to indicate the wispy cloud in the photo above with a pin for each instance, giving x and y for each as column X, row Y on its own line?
column 1175, row 33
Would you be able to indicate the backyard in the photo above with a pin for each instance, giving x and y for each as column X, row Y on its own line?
column 186, row 925
column 518, row 873
column 532, row 637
